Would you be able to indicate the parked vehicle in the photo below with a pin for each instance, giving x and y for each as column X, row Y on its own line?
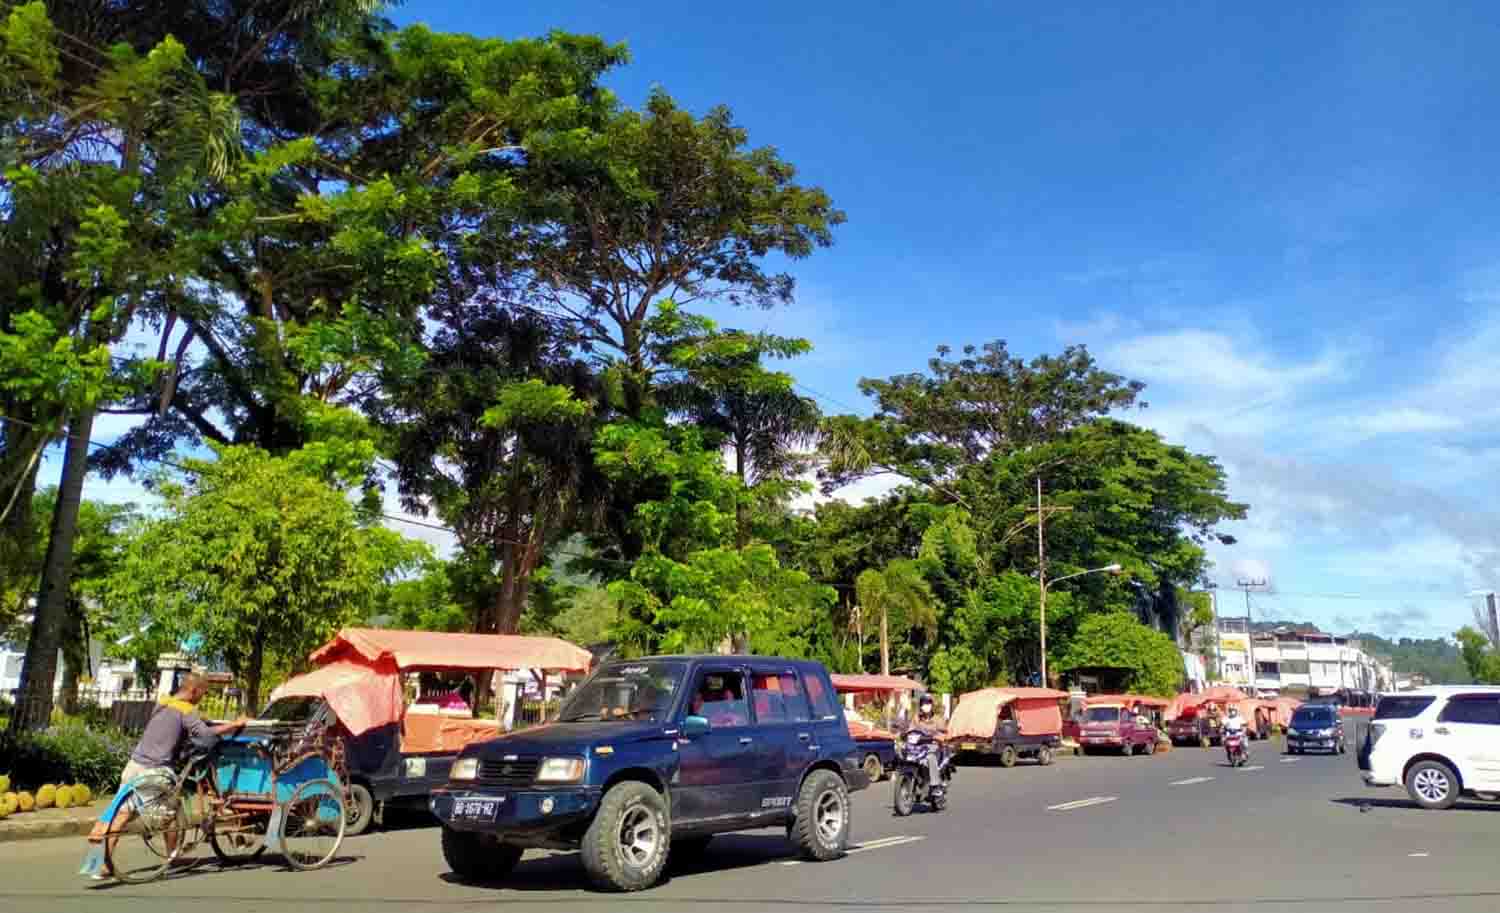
column 653, row 757
column 1439, row 742
column 1009, row 723
column 911, row 778
column 1234, row 748
column 1193, row 727
column 1316, row 727
column 397, row 754
column 1123, row 722
column 876, row 741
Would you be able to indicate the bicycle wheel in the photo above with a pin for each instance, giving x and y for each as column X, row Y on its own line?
column 149, row 830
column 312, row 824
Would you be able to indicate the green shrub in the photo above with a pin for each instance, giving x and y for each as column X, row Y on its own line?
column 69, row 752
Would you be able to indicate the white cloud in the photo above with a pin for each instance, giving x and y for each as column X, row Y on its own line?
column 1214, row 361
column 1402, row 420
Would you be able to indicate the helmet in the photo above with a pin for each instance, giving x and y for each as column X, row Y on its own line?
column 925, row 704
column 1234, row 711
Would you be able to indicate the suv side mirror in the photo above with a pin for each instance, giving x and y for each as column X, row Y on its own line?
column 694, row 726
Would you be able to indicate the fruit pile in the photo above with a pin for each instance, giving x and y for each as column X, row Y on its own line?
column 48, row 796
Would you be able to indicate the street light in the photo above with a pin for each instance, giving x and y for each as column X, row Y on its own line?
column 1112, row 569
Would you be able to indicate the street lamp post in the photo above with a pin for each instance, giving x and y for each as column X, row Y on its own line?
column 1042, row 581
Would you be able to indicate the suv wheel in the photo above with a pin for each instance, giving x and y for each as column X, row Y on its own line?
column 478, row 857
column 821, row 829
column 873, row 768
column 1432, row 784
column 625, row 847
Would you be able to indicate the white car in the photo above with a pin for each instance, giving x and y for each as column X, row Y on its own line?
column 1439, row 742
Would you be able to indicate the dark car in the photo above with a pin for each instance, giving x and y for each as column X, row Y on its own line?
column 1316, row 727
column 653, row 757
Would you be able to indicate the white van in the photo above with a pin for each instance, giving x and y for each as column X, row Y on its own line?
column 1439, row 742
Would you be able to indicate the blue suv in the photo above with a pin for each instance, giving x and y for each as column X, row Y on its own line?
column 651, row 758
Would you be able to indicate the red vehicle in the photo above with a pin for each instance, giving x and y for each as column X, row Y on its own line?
column 1234, row 748
column 1118, row 723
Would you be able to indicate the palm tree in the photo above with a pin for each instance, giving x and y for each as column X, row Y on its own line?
column 902, row 598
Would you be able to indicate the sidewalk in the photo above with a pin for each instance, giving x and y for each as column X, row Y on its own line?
column 51, row 822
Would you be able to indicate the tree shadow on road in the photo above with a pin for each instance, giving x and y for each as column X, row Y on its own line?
column 211, row 867
column 1410, row 806
column 564, row 872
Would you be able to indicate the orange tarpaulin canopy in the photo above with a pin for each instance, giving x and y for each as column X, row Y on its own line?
column 1126, row 700
column 362, row 696
column 1036, row 710
column 433, row 732
column 416, row 651
column 862, row 684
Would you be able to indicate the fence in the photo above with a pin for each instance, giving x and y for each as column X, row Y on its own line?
column 125, row 710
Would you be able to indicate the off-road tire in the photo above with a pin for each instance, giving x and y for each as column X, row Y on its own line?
column 604, row 859
column 811, row 838
column 478, row 857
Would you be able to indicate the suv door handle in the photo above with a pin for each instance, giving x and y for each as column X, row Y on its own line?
column 1441, row 730
column 744, row 740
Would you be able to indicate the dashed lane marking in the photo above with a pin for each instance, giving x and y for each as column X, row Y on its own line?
column 1417, row 855
column 1289, row 760
column 880, row 844
column 1081, row 803
column 1190, row 781
column 1251, row 767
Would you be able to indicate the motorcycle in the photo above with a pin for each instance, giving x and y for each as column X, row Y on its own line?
column 1234, row 749
column 910, row 776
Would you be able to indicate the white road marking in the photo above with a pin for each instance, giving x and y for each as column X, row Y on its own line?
column 1190, row 781
column 1081, row 803
column 1289, row 760
column 1417, row 855
column 1252, row 767
column 880, row 844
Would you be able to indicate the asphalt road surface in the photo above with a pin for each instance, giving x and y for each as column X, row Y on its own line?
column 1173, row 832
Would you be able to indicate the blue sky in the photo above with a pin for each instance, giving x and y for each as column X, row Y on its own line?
column 1283, row 222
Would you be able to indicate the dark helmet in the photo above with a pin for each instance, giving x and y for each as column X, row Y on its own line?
column 925, row 704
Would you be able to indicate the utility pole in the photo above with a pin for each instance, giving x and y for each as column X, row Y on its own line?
column 1250, row 628
column 1213, row 606
column 1041, row 566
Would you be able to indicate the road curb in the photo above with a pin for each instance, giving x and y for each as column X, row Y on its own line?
column 28, row 826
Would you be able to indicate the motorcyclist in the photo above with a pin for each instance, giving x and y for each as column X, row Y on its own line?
column 928, row 723
column 1234, row 724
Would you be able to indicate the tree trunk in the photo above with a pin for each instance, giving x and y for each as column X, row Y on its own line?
column 885, row 644
column 39, row 670
column 75, row 657
column 253, row 671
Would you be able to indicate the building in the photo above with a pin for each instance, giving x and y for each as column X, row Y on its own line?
column 1301, row 662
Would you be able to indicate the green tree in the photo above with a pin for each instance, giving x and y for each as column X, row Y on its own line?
column 1118, row 640
column 901, row 598
column 1479, row 656
column 258, row 558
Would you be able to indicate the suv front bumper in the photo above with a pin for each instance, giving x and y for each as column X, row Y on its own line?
column 529, row 815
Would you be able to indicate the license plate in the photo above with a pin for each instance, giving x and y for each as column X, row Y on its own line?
column 475, row 809
column 970, row 746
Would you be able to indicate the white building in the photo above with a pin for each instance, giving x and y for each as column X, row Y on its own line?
column 1313, row 663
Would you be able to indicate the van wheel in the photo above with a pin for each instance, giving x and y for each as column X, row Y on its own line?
column 359, row 811
column 821, row 830
column 1149, row 747
column 478, row 857
column 1008, row 756
column 625, row 847
column 1044, row 757
column 1432, row 784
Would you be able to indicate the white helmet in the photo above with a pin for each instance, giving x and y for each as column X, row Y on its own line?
column 1234, row 711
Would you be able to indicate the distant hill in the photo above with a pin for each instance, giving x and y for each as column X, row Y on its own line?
column 1436, row 658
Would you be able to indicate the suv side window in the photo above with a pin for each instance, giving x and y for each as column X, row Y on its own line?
column 797, row 708
column 1483, row 709
column 1402, row 708
column 770, row 702
column 820, row 695
column 720, row 698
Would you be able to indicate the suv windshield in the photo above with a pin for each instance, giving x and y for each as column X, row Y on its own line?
column 1401, row 708
column 626, row 691
column 1319, row 716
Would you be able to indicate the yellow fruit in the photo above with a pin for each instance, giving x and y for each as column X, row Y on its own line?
column 46, row 797
column 4, row 784
column 10, row 803
column 25, row 801
column 82, row 795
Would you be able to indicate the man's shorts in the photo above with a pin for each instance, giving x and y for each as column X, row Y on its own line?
column 154, row 783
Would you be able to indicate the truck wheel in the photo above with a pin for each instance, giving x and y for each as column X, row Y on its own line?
column 1432, row 784
column 1127, row 749
column 625, row 848
column 1044, row 757
column 1008, row 756
column 873, row 768
column 821, row 830
column 478, row 857
column 360, row 810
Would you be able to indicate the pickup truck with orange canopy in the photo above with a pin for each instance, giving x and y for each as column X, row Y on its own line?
column 1009, row 723
column 876, row 741
column 395, row 753
column 1120, row 722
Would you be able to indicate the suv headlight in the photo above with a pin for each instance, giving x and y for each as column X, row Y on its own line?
column 1325, row 733
column 560, row 770
column 464, row 769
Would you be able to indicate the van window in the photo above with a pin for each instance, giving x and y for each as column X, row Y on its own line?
column 1483, row 709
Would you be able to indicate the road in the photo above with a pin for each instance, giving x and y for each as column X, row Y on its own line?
column 1178, row 831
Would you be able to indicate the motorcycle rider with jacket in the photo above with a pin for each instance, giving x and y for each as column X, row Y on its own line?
column 928, row 723
column 1234, row 724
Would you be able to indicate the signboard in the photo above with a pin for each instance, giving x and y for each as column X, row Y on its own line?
column 1234, row 643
